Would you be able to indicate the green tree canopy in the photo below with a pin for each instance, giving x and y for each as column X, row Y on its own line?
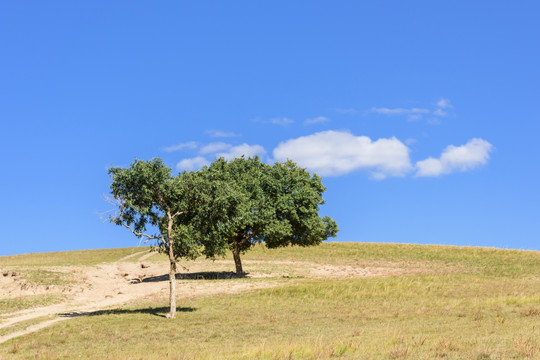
column 277, row 205
column 149, row 197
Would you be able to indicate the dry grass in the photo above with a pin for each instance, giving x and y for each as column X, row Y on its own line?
column 8, row 305
column 23, row 325
column 485, row 307
column 64, row 258
column 527, row 346
column 41, row 277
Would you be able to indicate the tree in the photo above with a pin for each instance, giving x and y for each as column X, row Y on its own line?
column 148, row 196
column 296, row 196
column 277, row 205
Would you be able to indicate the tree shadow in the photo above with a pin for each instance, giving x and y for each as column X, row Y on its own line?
column 205, row 275
column 159, row 311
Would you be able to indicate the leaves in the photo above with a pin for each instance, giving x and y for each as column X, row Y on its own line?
column 276, row 204
column 228, row 204
column 149, row 196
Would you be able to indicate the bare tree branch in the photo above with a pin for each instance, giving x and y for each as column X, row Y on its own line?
column 177, row 213
column 104, row 215
column 120, row 204
column 137, row 233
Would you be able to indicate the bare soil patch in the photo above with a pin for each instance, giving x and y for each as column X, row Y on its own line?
column 95, row 288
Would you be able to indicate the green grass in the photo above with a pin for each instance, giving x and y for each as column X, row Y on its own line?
column 65, row 258
column 487, row 307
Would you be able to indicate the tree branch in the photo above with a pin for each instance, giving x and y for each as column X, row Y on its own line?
column 137, row 233
column 120, row 203
column 177, row 213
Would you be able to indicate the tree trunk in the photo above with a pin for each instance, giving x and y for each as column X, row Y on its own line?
column 172, row 273
column 237, row 260
column 172, row 283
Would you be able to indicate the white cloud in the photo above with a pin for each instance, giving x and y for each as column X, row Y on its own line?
column 388, row 111
column 399, row 111
column 444, row 103
column 221, row 134
column 456, row 158
column 188, row 145
column 243, row 149
column 333, row 153
column 442, row 109
column 318, row 119
column 214, row 147
column 229, row 152
column 192, row 163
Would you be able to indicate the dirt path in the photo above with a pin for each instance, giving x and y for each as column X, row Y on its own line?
column 104, row 285
column 112, row 284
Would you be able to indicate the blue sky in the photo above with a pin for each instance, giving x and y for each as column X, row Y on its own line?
column 421, row 116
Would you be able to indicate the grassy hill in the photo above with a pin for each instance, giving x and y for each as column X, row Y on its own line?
column 338, row 300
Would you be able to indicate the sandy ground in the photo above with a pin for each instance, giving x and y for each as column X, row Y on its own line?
column 108, row 285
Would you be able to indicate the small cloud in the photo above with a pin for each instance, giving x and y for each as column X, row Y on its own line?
column 214, row 147
column 228, row 151
column 399, row 111
column 349, row 111
column 192, row 164
column 416, row 113
column 316, row 120
column 444, row 109
column 283, row 121
column 221, row 134
column 388, row 111
column 242, row 150
column 456, row 158
column 188, row 145
column 444, row 103
column 334, row 153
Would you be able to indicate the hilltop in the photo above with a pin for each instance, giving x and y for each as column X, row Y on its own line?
column 338, row 300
